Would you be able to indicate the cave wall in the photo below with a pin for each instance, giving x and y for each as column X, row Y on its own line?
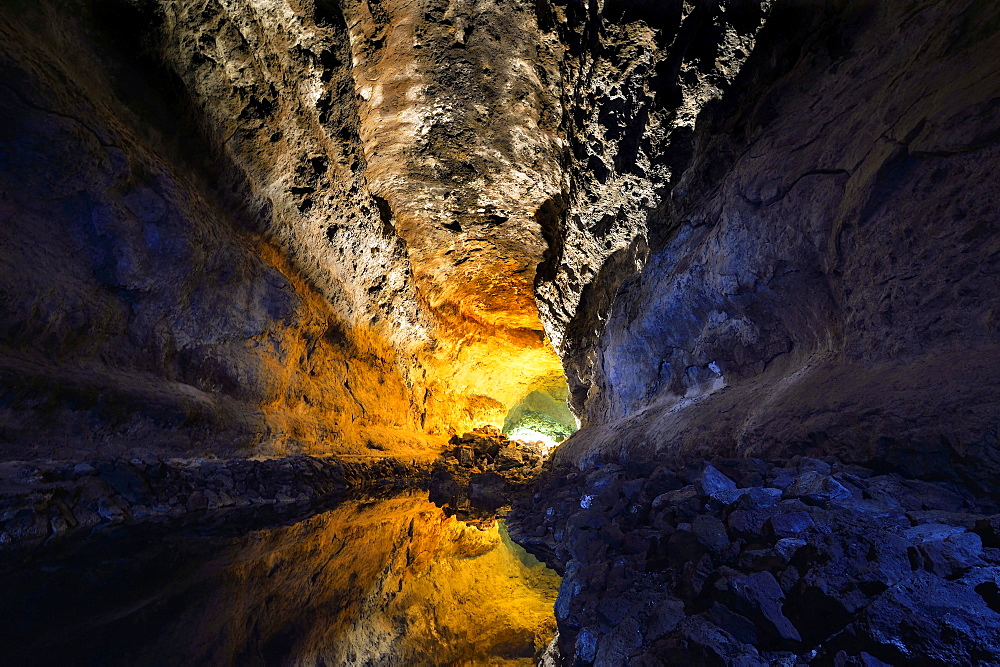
column 146, row 305
column 290, row 225
column 270, row 227
column 634, row 76
column 823, row 273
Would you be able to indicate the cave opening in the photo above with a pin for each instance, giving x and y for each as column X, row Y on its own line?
column 543, row 415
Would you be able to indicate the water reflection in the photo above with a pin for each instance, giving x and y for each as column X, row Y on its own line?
column 387, row 581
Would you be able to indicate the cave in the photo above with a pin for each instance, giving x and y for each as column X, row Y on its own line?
column 481, row 332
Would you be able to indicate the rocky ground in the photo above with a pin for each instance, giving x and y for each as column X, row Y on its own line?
column 42, row 504
column 743, row 561
column 485, row 472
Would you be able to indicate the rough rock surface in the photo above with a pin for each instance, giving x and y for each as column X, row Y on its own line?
column 398, row 152
column 216, row 241
column 823, row 274
column 635, row 77
column 749, row 562
column 44, row 504
column 145, row 307
column 317, row 225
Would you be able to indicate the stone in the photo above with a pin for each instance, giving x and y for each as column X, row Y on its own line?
column 815, row 487
column 758, row 497
column 623, row 639
column 110, row 510
column 632, row 488
column 509, row 457
column 759, row 598
column 586, row 645
column 750, row 523
column 783, row 478
column 636, row 542
column 710, row 532
column 740, row 627
column 698, row 641
column 673, row 499
column 664, row 618
column 464, row 456
column 787, row 547
column 808, row 464
column 929, row 532
column 729, row 496
column 711, row 482
column 953, row 555
column 84, row 470
column 790, row 524
column 929, row 619
column 966, row 520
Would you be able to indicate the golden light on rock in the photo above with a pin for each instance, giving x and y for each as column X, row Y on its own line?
column 348, row 390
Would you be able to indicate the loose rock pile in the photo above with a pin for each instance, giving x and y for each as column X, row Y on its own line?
column 749, row 562
column 41, row 503
column 478, row 479
column 487, row 448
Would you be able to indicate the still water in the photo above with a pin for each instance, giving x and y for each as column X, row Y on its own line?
column 388, row 581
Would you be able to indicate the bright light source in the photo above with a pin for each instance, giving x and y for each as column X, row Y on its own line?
column 530, row 435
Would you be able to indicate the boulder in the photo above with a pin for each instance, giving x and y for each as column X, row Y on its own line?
column 759, row 597
column 815, row 487
column 712, row 483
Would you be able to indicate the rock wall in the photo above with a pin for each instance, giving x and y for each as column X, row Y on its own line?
column 399, row 152
column 145, row 306
column 287, row 225
column 823, row 272
column 635, row 76
column 270, row 227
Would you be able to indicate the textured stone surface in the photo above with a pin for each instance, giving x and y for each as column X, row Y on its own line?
column 824, row 270
column 771, row 579
column 145, row 306
column 398, row 151
column 635, row 76
column 206, row 247
column 277, row 195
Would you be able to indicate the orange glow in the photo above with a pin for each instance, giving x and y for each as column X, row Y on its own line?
column 332, row 388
